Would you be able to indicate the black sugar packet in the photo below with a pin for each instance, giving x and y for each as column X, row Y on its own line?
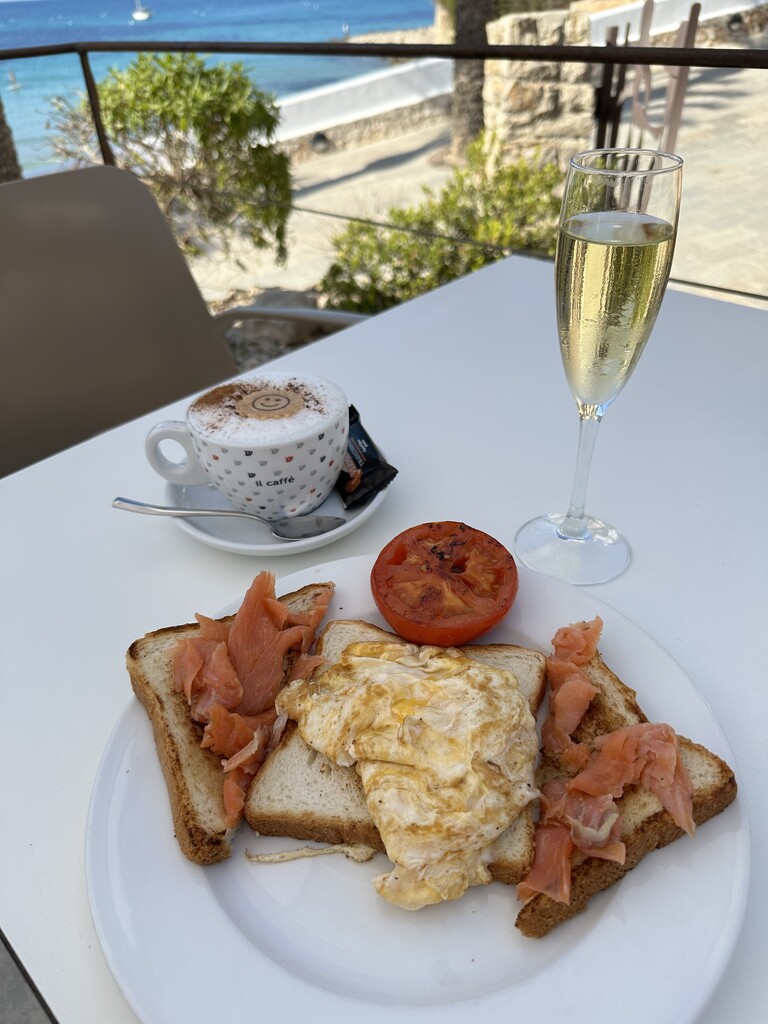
column 365, row 470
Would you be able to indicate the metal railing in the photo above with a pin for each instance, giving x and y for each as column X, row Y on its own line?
column 613, row 59
column 608, row 57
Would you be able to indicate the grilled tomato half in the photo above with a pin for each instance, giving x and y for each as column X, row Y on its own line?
column 443, row 583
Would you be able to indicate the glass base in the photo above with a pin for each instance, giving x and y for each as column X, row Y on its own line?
column 602, row 555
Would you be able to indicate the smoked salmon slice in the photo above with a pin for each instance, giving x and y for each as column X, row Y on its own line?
column 305, row 665
column 231, row 673
column 551, row 870
column 226, row 732
column 647, row 754
column 580, row 813
column 204, row 672
column 571, row 691
column 212, row 629
column 577, row 643
column 240, row 769
column 258, row 644
column 252, row 754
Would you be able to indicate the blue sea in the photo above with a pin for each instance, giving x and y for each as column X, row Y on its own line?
column 27, row 85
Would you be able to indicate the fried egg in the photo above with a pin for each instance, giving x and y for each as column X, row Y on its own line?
column 444, row 746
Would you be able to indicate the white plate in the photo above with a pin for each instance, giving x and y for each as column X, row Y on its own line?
column 244, row 538
column 311, row 940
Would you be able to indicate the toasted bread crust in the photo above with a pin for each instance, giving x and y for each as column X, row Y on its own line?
column 331, row 830
column 193, row 776
column 200, row 842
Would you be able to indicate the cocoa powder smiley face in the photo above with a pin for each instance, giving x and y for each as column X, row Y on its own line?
column 271, row 403
column 266, row 409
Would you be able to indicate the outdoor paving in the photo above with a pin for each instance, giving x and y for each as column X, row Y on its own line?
column 723, row 231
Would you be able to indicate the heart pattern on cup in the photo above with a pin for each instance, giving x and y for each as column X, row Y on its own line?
column 278, row 484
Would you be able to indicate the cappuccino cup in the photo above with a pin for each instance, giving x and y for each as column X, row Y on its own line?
column 273, row 443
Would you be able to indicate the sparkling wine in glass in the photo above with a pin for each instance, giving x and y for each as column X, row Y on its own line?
column 616, row 237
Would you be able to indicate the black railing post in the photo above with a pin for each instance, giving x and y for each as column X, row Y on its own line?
column 616, row 101
column 93, row 98
column 603, row 93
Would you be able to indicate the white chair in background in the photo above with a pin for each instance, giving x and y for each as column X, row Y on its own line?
column 657, row 130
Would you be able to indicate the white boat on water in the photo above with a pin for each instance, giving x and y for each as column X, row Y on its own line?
column 140, row 12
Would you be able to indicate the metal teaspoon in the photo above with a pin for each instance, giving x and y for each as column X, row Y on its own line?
column 290, row 528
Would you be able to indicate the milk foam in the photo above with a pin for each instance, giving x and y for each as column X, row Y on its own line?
column 215, row 416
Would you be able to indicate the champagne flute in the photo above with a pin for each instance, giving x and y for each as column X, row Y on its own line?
column 616, row 237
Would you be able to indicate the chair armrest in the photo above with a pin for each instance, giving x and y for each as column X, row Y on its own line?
column 329, row 317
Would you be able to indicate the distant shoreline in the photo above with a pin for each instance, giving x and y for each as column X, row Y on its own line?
column 27, row 101
column 425, row 36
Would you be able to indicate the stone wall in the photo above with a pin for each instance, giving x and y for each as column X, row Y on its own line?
column 540, row 107
column 389, row 125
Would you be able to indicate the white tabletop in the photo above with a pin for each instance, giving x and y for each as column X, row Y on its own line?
column 465, row 391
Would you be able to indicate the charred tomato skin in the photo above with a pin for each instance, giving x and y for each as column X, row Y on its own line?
column 443, row 583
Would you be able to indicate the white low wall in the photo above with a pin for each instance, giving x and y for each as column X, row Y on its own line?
column 667, row 16
column 365, row 96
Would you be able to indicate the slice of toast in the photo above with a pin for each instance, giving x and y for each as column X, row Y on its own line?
column 194, row 776
column 646, row 826
column 301, row 794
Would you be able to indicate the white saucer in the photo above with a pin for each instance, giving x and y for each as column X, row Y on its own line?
column 251, row 538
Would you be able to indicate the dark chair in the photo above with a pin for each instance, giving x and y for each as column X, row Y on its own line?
column 101, row 319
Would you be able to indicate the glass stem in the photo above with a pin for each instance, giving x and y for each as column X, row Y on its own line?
column 574, row 526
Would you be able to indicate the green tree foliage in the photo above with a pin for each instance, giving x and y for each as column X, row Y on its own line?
column 200, row 136
column 486, row 209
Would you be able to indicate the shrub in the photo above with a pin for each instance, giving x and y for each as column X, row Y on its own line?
column 200, row 136
column 486, row 210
